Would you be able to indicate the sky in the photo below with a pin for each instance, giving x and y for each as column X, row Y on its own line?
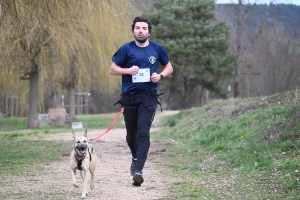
column 295, row 2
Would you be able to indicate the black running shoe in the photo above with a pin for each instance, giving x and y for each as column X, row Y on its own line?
column 138, row 178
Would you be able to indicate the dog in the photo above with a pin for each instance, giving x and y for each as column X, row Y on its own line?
column 83, row 158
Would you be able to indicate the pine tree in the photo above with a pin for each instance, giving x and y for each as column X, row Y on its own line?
column 197, row 47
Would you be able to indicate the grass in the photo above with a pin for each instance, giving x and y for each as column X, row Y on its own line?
column 18, row 155
column 100, row 121
column 232, row 149
column 13, row 123
column 23, row 148
column 239, row 149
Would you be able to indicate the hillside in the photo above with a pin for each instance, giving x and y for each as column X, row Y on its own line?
column 237, row 149
column 286, row 14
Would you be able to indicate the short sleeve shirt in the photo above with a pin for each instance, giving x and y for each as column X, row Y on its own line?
column 147, row 57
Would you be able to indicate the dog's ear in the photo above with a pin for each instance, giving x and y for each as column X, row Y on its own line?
column 85, row 133
column 73, row 133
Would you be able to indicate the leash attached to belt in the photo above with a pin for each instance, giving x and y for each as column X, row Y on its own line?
column 122, row 111
column 112, row 125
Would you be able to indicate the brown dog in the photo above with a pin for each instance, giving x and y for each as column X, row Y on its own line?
column 83, row 158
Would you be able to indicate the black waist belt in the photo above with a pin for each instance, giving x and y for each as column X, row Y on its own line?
column 151, row 94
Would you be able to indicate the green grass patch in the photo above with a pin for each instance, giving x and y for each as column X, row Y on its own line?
column 239, row 149
column 101, row 121
column 23, row 148
column 18, row 156
column 13, row 123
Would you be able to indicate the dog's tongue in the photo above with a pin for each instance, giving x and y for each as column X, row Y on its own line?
column 82, row 150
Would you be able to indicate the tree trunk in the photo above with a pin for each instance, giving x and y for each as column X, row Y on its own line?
column 236, row 91
column 33, row 121
column 72, row 114
column 170, row 98
column 172, row 91
column 200, row 96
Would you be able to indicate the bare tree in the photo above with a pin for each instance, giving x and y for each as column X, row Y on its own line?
column 242, row 42
column 277, row 56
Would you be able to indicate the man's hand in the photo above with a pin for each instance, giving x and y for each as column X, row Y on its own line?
column 155, row 77
column 133, row 70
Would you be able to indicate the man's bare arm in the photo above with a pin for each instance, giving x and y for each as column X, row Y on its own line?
column 118, row 71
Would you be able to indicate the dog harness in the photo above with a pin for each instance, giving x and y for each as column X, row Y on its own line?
column 79, row 160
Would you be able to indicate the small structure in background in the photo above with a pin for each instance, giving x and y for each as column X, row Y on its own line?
column 12, row 106
column 54, row 117
column 77, row 125
column 82, row 102
column 57, row 116
column 57, row 112
column 2, row 115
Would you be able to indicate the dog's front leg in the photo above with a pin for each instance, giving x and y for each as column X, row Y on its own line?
column 85, row 183
column 92, row 180
column 73, row 172
column 92, row 169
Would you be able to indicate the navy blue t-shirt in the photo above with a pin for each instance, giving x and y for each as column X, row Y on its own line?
column 147, row 57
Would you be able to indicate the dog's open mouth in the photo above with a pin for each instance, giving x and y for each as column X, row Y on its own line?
column 81, row 149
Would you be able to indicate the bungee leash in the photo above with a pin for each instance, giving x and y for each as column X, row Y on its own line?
column 122, row 111
column 112, row 125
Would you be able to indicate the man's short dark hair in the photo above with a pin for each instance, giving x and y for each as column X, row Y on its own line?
column 142, row 19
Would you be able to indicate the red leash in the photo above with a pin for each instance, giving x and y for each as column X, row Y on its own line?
column 112, row 125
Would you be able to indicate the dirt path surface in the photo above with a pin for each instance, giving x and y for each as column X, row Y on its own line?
column 112, row 180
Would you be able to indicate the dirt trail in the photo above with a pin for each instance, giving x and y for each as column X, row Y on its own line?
column 112, row 182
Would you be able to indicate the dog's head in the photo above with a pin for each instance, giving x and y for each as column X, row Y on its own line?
column 81, row 143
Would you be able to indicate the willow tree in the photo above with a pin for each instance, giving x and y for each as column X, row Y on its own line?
column 29, row 33
column 25, row 35
column 98, row 33
column 55, row 40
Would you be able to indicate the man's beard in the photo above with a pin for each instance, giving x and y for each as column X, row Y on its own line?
column 141, row 40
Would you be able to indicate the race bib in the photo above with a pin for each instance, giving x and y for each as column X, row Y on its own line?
column 142, row 76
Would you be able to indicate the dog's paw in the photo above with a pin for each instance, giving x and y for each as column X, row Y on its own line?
column 76, row 185
column 83, row 197
column 92, row 186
